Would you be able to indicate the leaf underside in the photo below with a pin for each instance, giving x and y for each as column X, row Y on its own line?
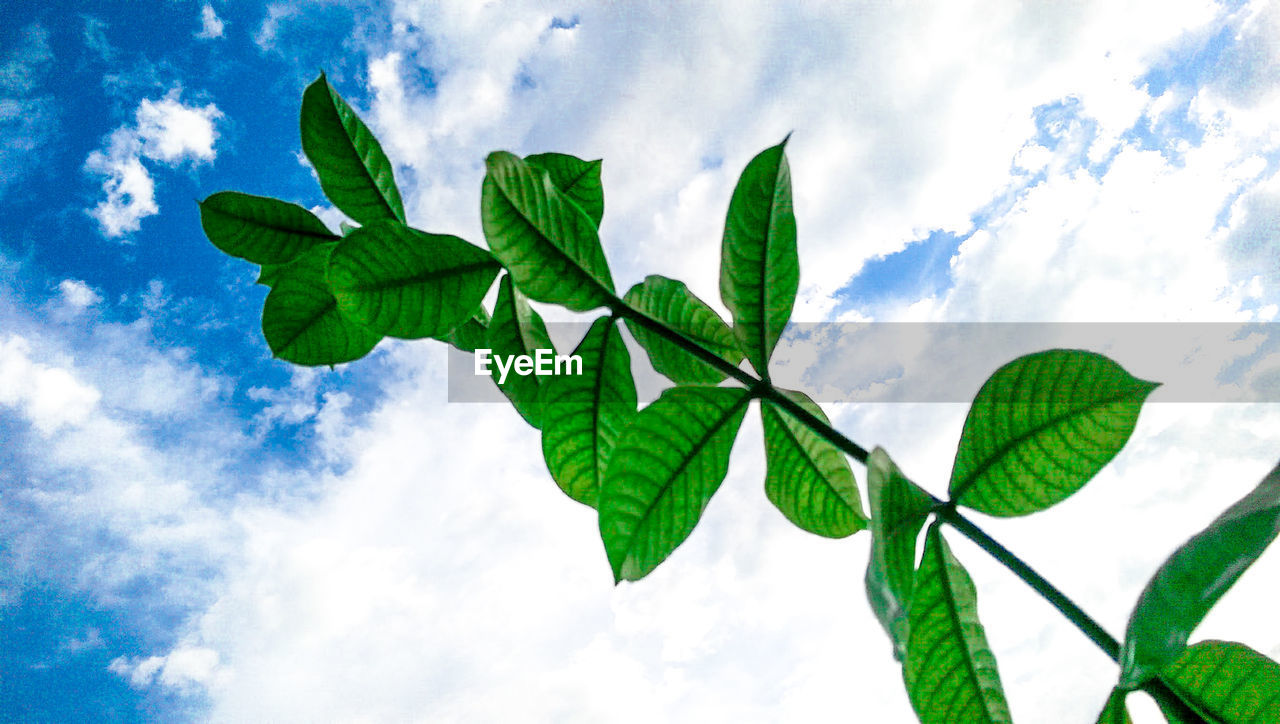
column 583, row 415
column 1041, row 427
column 549, row 245
column 759, row 265
column 353, row 170
column 899, row 510
column 806, row 477
column 1192, row 580
column 516, row 329
column 671, row 303
column 1227, row 682
column 663, row 472
column 950, row 671
column 577, row 179
column 301, row 320
column 406, row 283
column 260, row 229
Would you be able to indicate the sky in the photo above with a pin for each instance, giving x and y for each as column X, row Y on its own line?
column 192, row 531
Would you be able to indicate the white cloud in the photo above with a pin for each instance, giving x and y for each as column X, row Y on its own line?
column 265, row 38
column 172, row 132
column 164, row 130
column 180, row 669
column 78, row 295
column 210, row 24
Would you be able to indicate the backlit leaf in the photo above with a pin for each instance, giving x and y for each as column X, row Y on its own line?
column 670, row 302
column 577, row 179
column 354, row 172
column 584, row 414
column 515, row 330
column 301, row 320
column 260, row 229
column 949, row 669
column 1193, row 579
column 807, row 478
column 1041, row 427
column 759, row 266
column 1227, row 683
column 547, row 243
column 1115, row 712
column 406, row 283
column 898, row 511
column 662, row 473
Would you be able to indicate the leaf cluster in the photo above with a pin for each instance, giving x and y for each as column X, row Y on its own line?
column 1038, row 430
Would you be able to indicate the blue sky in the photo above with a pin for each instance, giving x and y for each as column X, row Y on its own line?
column 190, row 530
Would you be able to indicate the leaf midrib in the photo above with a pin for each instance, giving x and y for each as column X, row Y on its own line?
column 351, row 150
column 812, row 463
column 330, row 305
column 954, row 614
column 421, row 277
column 272, row 226
column 998, row 454
column 669, row 482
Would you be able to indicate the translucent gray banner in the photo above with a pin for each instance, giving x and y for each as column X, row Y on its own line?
column 948, row 362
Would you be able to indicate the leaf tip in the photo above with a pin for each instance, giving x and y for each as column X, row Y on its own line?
column 785, row 139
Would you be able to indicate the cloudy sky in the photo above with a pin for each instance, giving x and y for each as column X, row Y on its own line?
column 191, row 531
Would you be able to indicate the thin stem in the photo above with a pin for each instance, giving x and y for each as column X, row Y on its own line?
column 1047, row 591
column 946, row 512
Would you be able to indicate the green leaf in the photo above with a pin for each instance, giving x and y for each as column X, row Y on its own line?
column 547, row 243
column 1115, row 712
column 806, row 477
column 260, row 229
column 471, row 334
column 577, row 179
column 401, row 282
column 950, row 671
column 354, row 172
column 301, row 320
column 584, row 414
column 1041, row 427
column 662, row 473
column 898, row 511
column 759, row 266
column 670, row 302
column 516, row 329
column 1193, row 579
column 313, row 263
column 1227, row 683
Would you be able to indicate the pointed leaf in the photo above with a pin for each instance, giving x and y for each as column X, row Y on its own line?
column 354, row 172
column 406, row 283
column 1193, row 579
column 670, row 302
column 260, row 229
column 806, row 477
column 759, row 266
column 662, row 473
column 516, row 329
column 1115, row 712
column 301, row 320
column 898, row 511
column 471, row 334
column 548, row 245
column 1227, row 683
column 950, row 671
column 577, row 179
column 1041, row 427
column 584, row 414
